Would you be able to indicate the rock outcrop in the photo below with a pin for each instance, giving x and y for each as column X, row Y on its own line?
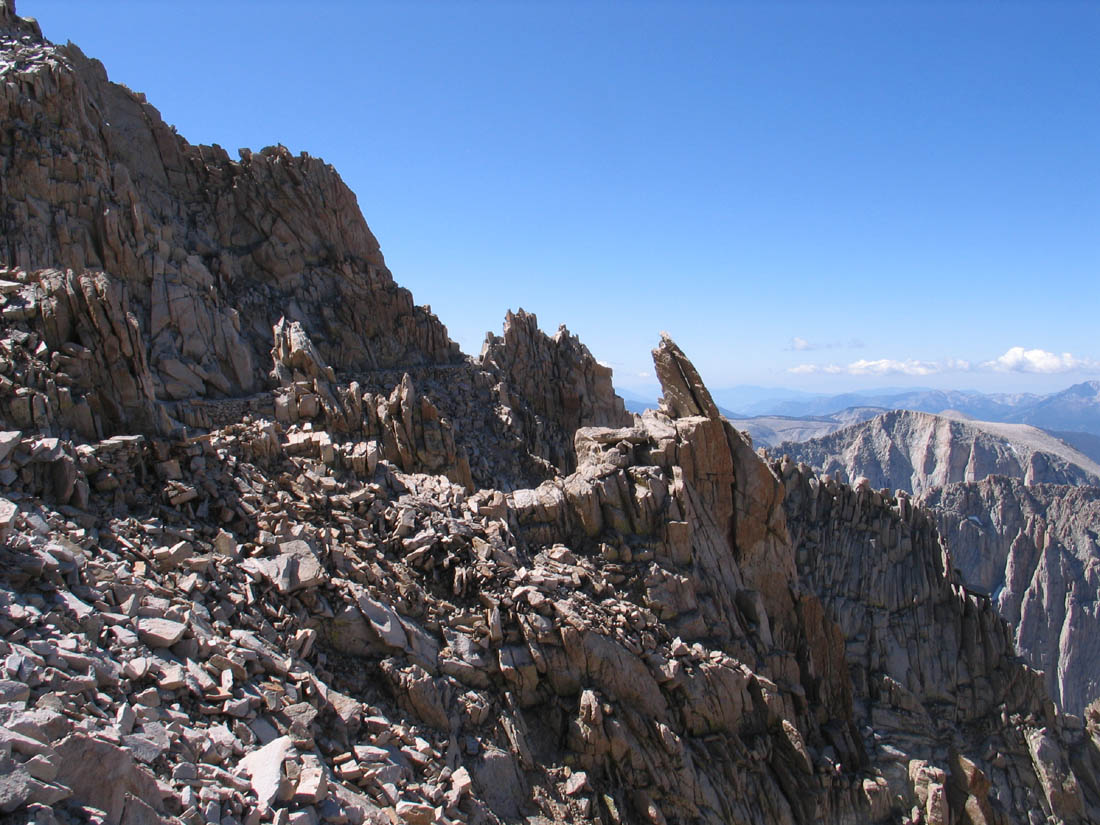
column 355, row 578
column 78, row 353
column 551, row 386
column 210, row 251
column 914, row 451
column 1034, row 550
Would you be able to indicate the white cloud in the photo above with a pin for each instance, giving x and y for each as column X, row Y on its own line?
column 811, row 369
column 800, row 344
column 1018, row 359
column 888, row 366
column 884, row 366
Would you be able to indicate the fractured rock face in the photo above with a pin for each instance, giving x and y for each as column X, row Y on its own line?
column 106, row 777
column 295, row 357
column 212, row 251
column 682, row 388
column 553, row 385
column 676, row 621
column 1034, row 550
column 78, row 338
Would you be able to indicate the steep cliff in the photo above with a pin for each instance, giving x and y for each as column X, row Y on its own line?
column 1027, row 542
column 1034, row 548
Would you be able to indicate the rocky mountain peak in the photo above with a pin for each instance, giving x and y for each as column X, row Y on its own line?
column 554, row 386
column 211, row 251
column 1086, row 389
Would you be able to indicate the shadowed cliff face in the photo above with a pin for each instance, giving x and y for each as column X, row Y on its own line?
column 326, row 570
column 1034, row 548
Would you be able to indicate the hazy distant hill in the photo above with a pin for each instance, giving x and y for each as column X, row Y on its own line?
column 636, row 404
column 916, row 451
column 769, row 430
column 973, row 404
column 1075, row 409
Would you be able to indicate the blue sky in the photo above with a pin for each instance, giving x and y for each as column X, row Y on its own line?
column 824, row 196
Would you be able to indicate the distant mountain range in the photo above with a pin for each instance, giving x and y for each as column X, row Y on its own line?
column 774, row 415
column 1075, row 409
column 637, row 404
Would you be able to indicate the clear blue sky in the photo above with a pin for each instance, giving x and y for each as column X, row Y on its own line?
column 780, row 186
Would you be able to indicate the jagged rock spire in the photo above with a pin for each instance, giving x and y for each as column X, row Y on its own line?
column 555, row 386
column 684, row 391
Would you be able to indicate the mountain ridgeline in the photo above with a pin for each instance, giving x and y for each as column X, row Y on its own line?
column 915, row 451
column 273, row 550
column 1074, row 409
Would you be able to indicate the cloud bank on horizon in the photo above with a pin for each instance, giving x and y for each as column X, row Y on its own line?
column 1015, row 359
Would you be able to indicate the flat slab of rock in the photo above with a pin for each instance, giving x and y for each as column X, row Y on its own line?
column 265, row 769
column 289, row 572
column 9, row 440
column 11, row 691
column 18, row 788
column 384, row 621
column 105, row 776
column 160, row 632
column 415, row 813
column 8, row 509
column 312, row 785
